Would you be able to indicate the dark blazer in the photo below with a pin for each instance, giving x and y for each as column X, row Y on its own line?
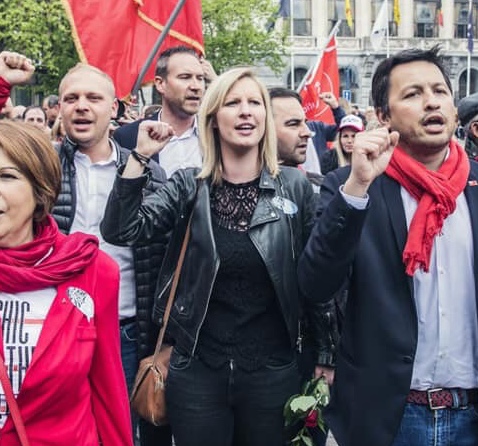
column 379, row 337
column 147, row 257
column 325, row 132
column 127, row 135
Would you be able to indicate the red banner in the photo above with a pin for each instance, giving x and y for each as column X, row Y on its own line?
column 117, row 35
column 323, row 78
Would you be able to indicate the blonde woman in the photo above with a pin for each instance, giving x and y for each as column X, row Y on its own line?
column 234, row 322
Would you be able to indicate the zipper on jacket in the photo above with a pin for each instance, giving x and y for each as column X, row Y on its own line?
column 232, row 368
column 298, row 342
column 207, row 307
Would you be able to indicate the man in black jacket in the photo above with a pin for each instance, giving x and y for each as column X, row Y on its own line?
column 468, row 116
column 89, row 162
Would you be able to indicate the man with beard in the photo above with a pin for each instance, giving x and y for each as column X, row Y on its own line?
column 399, row 226
column 294, row 145
column 180, row 80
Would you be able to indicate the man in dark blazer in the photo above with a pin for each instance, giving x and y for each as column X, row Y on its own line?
column 180, row 78
column 400, row 227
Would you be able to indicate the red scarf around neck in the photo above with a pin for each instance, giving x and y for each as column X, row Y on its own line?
column 436, row 193
column 49, row 259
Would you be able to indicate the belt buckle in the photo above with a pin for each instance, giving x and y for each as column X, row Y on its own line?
column 430, row 393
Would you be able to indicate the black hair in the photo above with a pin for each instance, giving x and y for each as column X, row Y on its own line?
column 51, row 100
column 33, row 107
column 381, row 77
column 163, row 59
column 281, row 92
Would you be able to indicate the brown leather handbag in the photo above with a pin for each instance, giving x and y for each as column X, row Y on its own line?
column 147, row 397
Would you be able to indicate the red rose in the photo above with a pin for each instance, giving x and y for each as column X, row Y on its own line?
column 311, row 420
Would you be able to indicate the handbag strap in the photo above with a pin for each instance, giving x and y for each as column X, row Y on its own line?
column 172, row 292
column 12, row 405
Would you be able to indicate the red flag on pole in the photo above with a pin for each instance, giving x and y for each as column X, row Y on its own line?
column 117, row 35
column 439, row 13
column 324, row 77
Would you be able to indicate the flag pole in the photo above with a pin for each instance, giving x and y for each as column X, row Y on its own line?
column 468, row 59
column 162, row 36
column 388, row 40
column 468, row 73
column 331, row 34
column 291, row 37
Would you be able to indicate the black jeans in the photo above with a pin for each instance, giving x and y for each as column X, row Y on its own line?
column 151, row 435
column 228, row 406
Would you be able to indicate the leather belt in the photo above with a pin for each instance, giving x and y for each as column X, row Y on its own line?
column 127, row 320
column 440, row 398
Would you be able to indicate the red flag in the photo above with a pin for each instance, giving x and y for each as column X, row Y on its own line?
column 439, row 13
column 323, row 78
column 117, row 35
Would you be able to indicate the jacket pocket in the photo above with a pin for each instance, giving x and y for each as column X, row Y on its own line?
column 86, row 333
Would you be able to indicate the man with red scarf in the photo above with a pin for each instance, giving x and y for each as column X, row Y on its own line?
column 400, row 227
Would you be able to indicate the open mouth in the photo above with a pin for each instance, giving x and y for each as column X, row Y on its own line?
column 245, row 127
column 434, row 122
column 82, row 122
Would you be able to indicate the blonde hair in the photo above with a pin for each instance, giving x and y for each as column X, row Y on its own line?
column 85, row 67
column 31, row 150
column 342, row 160
column 57, row 131
column 209, row 136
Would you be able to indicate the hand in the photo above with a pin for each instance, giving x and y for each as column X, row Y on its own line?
column 370, row 157
column 327, row 372
column 209, row 73
column 15, row 68
column 329, row 99
column 152, row 137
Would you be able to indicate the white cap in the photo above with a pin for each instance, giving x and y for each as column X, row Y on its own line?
column 351, row 121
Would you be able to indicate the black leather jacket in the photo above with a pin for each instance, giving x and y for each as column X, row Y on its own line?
column 278, row 236
column 147, row 258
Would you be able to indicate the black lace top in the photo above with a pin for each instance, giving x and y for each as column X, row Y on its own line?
column 243, row 322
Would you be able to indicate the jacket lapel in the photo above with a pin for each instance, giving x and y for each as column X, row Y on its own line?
column 471, row 195
column 396, row 213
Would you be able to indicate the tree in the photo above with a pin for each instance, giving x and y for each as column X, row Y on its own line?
column 235, row 33
column 40, row 30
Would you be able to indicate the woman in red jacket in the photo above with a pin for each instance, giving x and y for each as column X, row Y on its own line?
column 59, row 337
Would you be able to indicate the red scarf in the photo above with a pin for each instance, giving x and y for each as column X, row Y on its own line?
column 436, row 193
column 4, row 92
column 50, row 259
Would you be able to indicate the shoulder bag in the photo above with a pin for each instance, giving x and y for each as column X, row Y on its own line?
column 147, row 397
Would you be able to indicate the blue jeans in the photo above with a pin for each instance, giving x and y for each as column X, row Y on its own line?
column 228, row 406
column 421, row 426
column 129, row 358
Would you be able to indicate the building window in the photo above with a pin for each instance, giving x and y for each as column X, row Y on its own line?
column 336, row 12
column 299, row 74
column 461, row 18
column 302, row 17
column 463, row 81
column 426, row 18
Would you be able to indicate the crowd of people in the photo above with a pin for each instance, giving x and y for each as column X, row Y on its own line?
column 362, row 273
